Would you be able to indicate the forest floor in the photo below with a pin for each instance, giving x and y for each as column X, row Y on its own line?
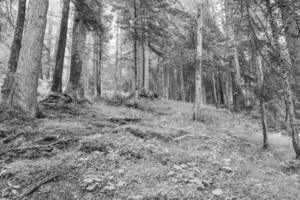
column 154, row 152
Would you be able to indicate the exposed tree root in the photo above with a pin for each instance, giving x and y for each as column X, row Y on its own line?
column 39, row 184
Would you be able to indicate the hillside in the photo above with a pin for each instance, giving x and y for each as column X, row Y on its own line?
column 155, row 152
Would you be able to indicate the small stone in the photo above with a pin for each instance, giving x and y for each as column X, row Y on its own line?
column 109, row 187
column 88, row 180
column 217, row 192
column 92, row 187
column 177, row 167
column 137, row 197
column 14, row 192
column 121, row 184
column 183, row 166
column 227, row 169
column 171, row 173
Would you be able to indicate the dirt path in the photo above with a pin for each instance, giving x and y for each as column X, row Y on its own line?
column 154, row 152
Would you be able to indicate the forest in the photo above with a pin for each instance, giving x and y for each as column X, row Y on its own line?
column 149, row 99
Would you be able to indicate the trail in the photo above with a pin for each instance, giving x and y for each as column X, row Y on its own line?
column 105, row 151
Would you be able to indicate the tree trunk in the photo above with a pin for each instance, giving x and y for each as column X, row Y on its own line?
column 49, row 48
column 117, row 60
column 292, row 35
column 76, row 83
column 60, row 51
column 221, row 91
column 147, row 69
column 182, row 87
column 97, row 64
column 24, row 90
column 168, row 83
column 15, row 51
column 198, row 74
column 135, row 50
column 237, row 86
column 261, row 87
column 284, row 71
column 215, row 91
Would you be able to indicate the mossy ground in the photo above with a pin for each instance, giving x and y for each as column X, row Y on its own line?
column 163, row 154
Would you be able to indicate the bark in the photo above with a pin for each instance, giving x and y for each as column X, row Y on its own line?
column 49, row 49
column 97, row 64
column 15, row 51
column 146, row 70
column 168, row 83
column 182, row 87
column 262, row 102
column 135, row 49
column 117, row 61
column 228, row 92
column 221, row 91
column 60, row 51
column 237, row 86
column 215, row 91
column 284, row 72
column 198, row 74
column 163, row 81
column 292, row 35
column 291, row 113
column 24, row 90
column 76, row 83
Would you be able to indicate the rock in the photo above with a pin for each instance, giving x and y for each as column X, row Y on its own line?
column 121, row 184
column 226, row 169
column 110, row 188
column 198, row 183
column 171, row 173
column 92, row 187
column 217, row 192
column 88, row 180
column 177, row 167
column 137, row 197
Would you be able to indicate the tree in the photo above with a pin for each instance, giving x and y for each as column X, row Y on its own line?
column 98, row 42
column 198, row 75
column 260, row 73
column 237, row 85
column 60, row 51
column 76, row 83
column 24, row 90
column 15, row 51
column 292, row 34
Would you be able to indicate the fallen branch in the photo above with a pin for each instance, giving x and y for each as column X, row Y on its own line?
column 39, row 184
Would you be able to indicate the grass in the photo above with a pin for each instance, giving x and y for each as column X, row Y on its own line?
column 217, row 158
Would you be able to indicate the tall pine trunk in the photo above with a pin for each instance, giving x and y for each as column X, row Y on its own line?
column 60, row 51
column 15, row 51
column 198, row 75
column 24, row 90
column 76, row 83
column 260, row 74
column 292, row 35
column 182, row 87
column 117, row 61
column 97, row 64
column 284, row 72
column 238, row 96
column 136, row 83
column 49, row 48
column 147, row 69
